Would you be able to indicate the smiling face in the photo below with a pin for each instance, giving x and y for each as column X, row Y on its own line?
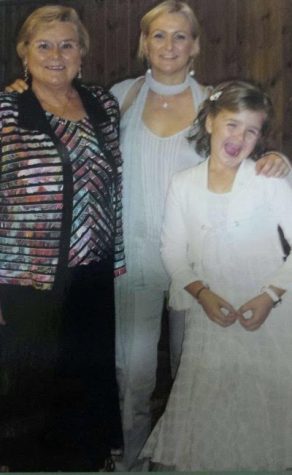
column 169, row 46
column 234, row 135
column 53, row 55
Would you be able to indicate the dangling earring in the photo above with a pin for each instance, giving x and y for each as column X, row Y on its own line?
column 25, row 72
column 79, row 75
column 191, row 66
column 148, row 66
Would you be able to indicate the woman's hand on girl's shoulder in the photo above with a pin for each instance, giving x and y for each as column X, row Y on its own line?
column 19, row 85
column 273, row 164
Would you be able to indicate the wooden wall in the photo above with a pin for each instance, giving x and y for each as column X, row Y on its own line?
column 240, row 38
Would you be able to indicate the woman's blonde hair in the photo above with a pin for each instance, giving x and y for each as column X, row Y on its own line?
column 234, row 96
column 46, row 15
column 168, row 6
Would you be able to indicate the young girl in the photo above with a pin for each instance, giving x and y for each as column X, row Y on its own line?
column 230, row 406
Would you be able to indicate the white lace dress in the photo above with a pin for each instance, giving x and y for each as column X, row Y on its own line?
column 230, row 406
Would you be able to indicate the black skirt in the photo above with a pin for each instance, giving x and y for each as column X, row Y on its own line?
column 58, row 359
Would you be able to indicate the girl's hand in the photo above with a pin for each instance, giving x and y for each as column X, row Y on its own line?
column 259, row 308
column 273, row 164
column 217, row 309
column 19, row 85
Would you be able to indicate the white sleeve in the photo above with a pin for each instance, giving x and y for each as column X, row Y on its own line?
column 282, row 206
column 174, row 246
column 121, row 89
column 289, row 176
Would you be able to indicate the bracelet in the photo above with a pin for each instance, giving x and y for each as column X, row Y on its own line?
column 201, row 290
column 272, row 294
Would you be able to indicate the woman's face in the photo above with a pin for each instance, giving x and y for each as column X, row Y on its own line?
column 53, row 54
column 234, row 135
column 169, row 46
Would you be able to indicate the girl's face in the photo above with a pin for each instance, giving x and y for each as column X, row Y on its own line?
column 169, row 46
column 234, row 135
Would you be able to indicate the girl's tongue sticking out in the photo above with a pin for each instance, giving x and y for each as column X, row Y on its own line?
column 232, row 149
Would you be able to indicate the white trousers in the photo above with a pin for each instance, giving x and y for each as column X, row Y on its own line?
column 137, row 337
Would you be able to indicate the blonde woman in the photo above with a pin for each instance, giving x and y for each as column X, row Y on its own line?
column 157, row 113
column 60, row 244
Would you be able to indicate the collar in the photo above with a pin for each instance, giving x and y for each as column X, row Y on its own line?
column 32, row 116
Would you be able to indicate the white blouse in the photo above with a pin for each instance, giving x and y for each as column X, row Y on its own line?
column 149, row 164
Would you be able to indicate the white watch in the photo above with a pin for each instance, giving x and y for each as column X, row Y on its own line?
column 271, row 293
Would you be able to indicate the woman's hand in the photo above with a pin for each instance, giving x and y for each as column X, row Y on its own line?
column 19, row 85
column 273, row 164
column 259, row 308
column 217, row 309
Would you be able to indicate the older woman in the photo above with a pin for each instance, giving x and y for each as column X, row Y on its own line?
column 60, row 240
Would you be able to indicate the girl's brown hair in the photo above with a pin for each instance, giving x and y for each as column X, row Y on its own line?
column 234, row 96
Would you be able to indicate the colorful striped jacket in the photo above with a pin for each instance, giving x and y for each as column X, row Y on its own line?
column 36, row 181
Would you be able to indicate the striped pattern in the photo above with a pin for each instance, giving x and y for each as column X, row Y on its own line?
column 93, row 177
column 31, row 196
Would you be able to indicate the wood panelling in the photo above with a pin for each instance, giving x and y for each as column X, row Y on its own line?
column 251, row 39
column 262, row 55
column 286, row 114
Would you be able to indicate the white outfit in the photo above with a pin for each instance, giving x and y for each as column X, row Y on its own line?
column 230, row 406
column 149, row 163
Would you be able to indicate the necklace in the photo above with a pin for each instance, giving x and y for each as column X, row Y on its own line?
column 165, row 89
column 59, row 110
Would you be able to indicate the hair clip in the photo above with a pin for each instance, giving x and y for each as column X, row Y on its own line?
column 215, row 96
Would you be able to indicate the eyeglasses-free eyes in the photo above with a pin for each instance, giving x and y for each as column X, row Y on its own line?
column 65, row 46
